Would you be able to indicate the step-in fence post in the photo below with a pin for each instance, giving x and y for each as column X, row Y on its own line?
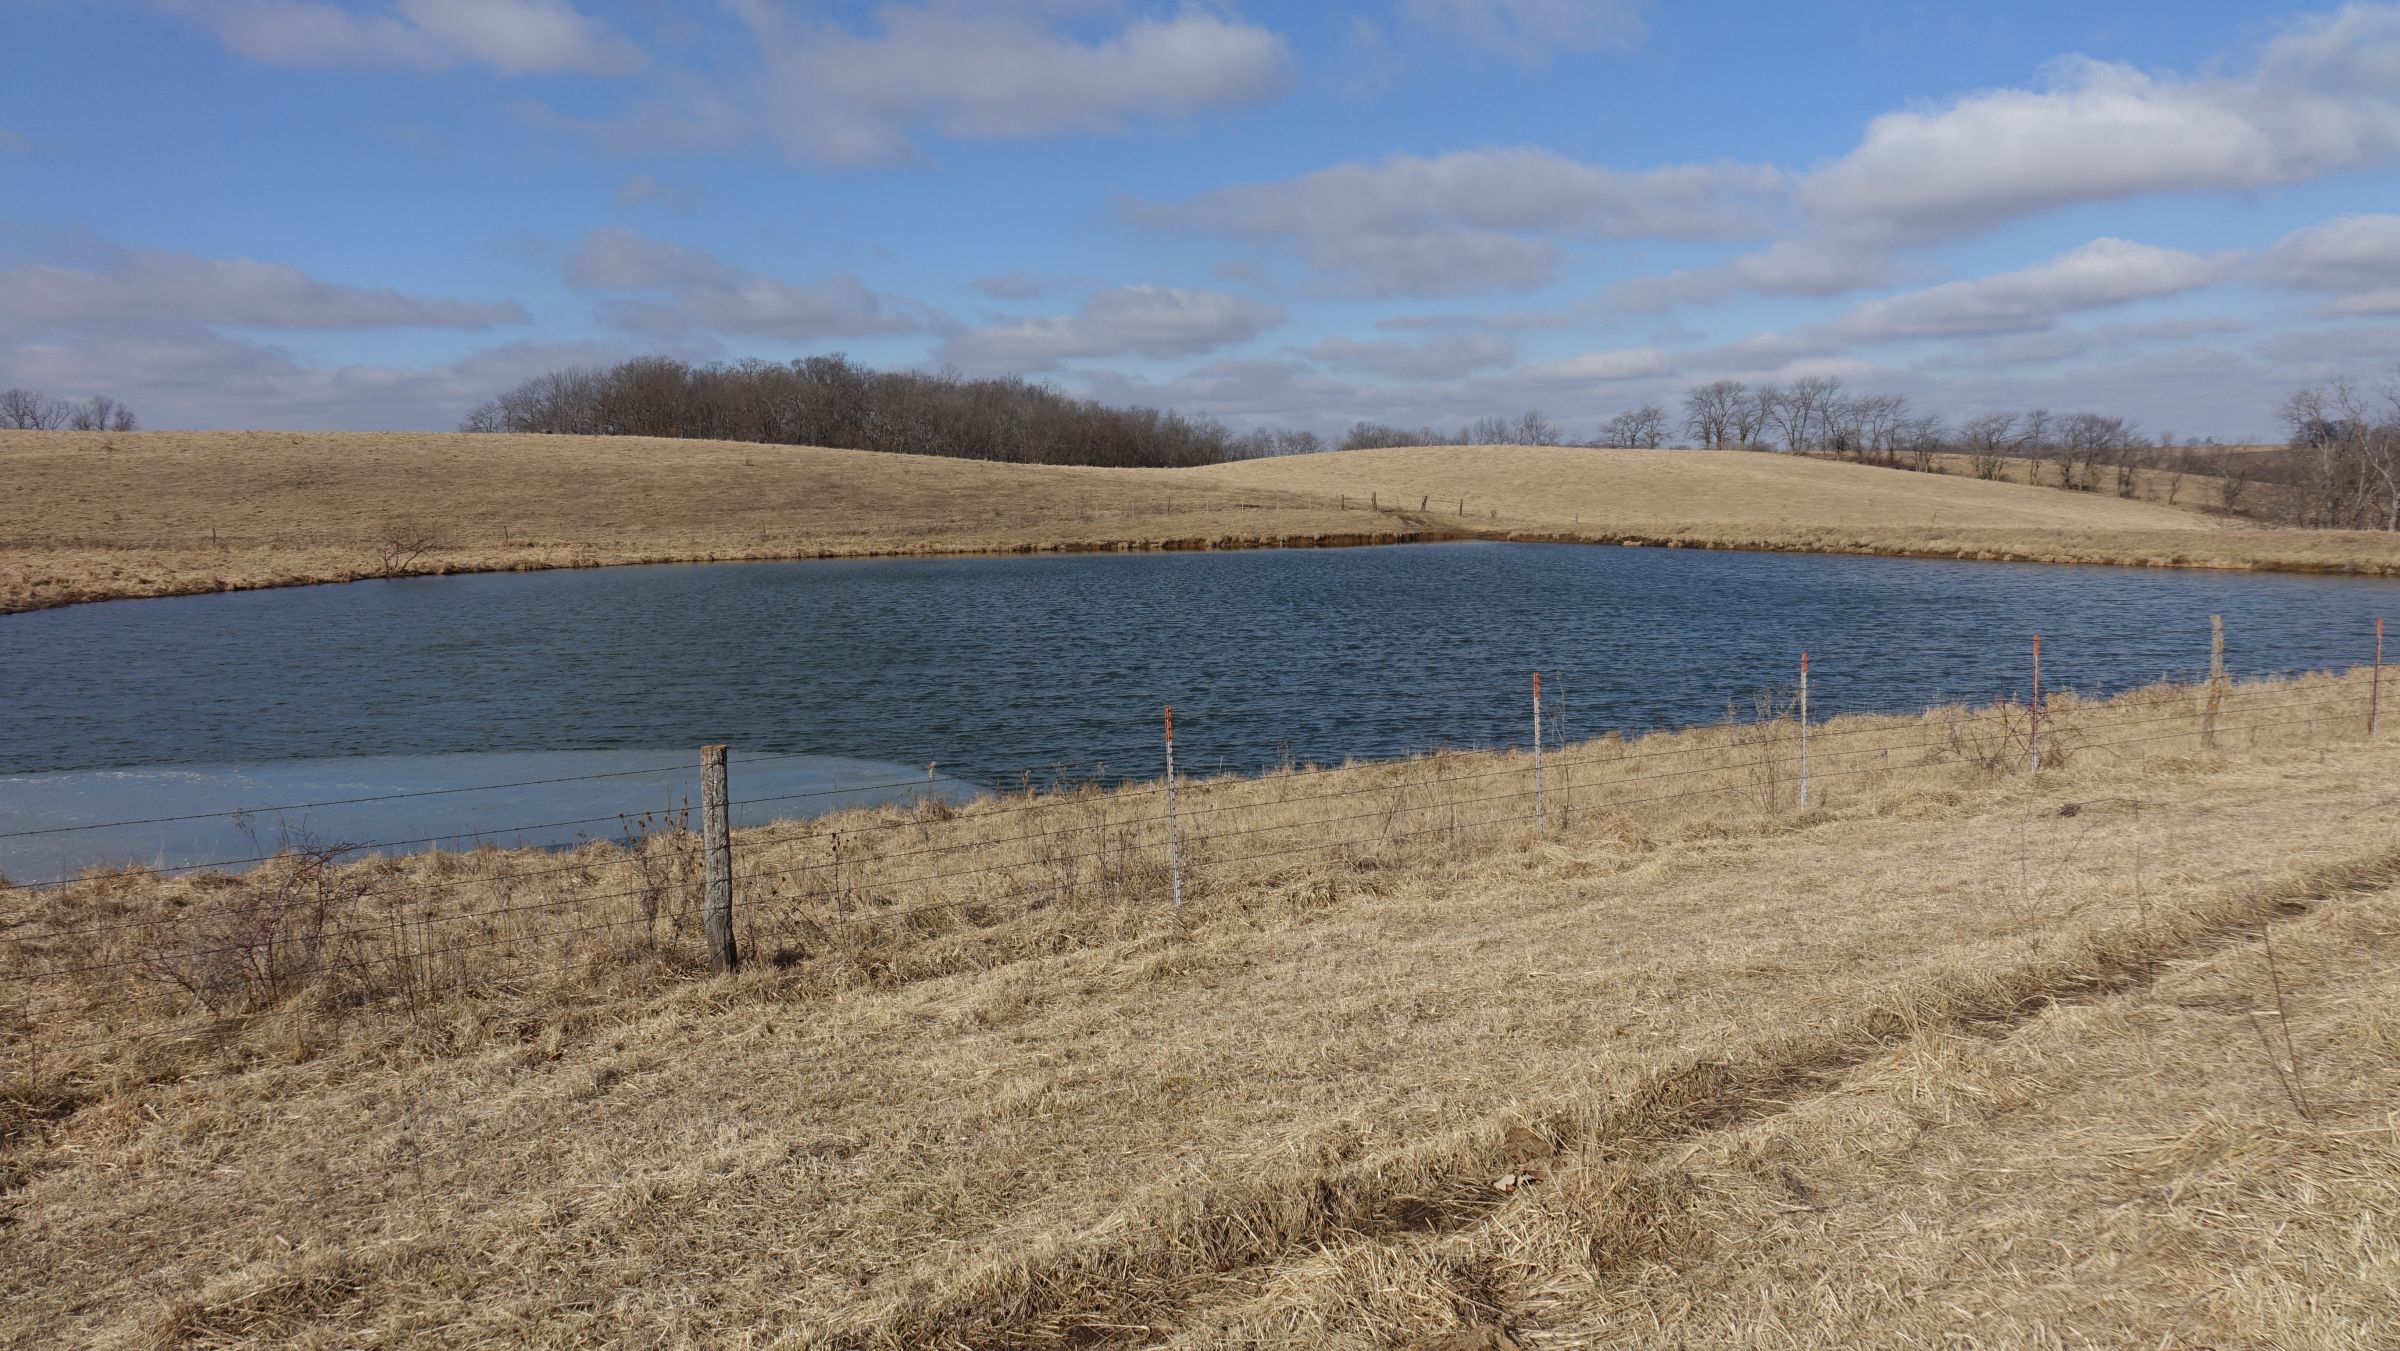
column 1566, row 767
column 1174, row 844
column 2375, row 684
column 2033, row 734
column 1537, row 757
column 717, row 846
column 1804, row 731
column 2216, row 680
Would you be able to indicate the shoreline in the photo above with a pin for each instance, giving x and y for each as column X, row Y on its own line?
column 1965, row 546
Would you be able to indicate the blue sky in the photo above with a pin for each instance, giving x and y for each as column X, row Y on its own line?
column 376, row 213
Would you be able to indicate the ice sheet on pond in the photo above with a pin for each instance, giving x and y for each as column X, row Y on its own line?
column 55, row 824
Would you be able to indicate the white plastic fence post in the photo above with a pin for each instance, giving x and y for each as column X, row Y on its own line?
column 1537, row 757
column 1804, row 731
column 2216, row 679
column 2033, row 735
column 2375, row 684
column 1174, row 845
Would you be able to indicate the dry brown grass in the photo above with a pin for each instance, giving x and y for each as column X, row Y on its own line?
column 1758, row 500
column 92, row 516
column 99, row 515
column 997, row 1096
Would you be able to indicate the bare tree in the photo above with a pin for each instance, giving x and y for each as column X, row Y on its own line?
column 1798, row 412
column 1750, row 417
column 1882, row 425
column 1712, row 413
column 1533, row 429
column 1489, row 430
column 1922, row 439
column 1987, row 441
column 100, row 413
column 1643, row 428
column 28, row 410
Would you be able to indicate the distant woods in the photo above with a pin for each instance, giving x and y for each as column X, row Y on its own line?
column 31, row 411
column 2340, row 467
column 829, row 401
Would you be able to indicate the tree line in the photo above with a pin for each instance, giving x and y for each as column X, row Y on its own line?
column 832, row 401
column 32, row 411
column 2340, row 467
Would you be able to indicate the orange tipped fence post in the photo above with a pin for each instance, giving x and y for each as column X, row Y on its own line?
column 1174, row 846
column 1804, row 731
column 1537, row 757
column 2033, row 736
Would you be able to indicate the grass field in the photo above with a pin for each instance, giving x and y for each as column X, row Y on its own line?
column 1958, row 1055
column 92, row 516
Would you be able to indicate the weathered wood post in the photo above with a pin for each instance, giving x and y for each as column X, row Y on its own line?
column 2216, row 680
column 1537, row 757
column 1804, row 731
column 717, row 844
column 1174, row 844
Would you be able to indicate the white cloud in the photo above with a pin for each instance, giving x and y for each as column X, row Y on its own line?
column 1151, row 321
column 183, row 376
column 1787, row 268
column 125, row 287
column 514, row 37
column 1627, row 363
column 2102, row 273
column 1024, row 285
column 1531, row 32
column 1470, row 220
column 986, row 72
column 2355, row 258
column 1442, row 357
column 706, row 293
column 2323, row 97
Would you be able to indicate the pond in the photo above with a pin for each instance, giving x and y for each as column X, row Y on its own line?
column 1003, row 671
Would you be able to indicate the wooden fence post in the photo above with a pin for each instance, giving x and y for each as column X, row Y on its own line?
column 1537, row 757
column 2216, row 679
column 1174, row 844
column 717, row 843
column 1804, row 731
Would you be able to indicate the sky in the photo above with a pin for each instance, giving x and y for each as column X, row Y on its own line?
column 377, row 213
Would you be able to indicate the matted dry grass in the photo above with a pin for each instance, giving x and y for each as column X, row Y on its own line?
column 1000, row 1096
column 91, row 516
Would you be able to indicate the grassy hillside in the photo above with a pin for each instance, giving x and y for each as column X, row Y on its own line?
column 94, row 515
column 1755, row 500
column 1667, row 490
column 91, row 516
column 1957, row 1055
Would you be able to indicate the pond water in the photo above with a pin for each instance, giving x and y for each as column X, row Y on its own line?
column 1004, row 670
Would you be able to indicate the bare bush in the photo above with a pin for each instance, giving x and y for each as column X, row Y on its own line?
column 251, row 941
column 402, row 540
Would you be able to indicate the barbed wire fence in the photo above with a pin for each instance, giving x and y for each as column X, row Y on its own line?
column 411, row 927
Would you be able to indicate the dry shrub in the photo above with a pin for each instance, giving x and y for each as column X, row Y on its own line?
column 248, row 942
